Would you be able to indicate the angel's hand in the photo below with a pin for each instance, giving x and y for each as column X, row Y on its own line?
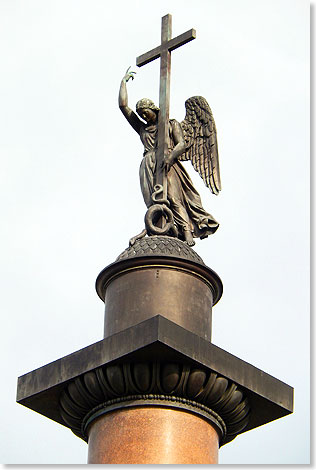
column 128, row 74
column 168, row 162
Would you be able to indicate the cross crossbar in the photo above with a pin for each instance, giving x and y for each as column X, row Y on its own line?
column 171, row 45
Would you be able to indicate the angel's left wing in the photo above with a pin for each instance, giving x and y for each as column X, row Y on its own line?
column 200, row 135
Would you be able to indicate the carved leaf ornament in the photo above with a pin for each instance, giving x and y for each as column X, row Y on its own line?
column 172, row 385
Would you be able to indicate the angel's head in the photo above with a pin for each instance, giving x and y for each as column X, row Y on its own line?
column 147, row 110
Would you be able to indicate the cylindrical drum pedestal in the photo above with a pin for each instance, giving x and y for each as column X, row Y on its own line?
column 152, row 435
column 159, row 276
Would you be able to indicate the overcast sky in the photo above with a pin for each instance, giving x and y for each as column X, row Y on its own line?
column 71, row 197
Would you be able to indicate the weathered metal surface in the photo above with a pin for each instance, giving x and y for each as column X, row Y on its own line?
column 164, row 53
column 160, row 259
column 136, row 288
column 161, row 246
column 195, row 139
column 171, row 46
column 164, row 103
column 174, row 207
column 142, row 292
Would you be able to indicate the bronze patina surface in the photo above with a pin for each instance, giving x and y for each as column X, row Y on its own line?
column 152, row 278
column 174, row 206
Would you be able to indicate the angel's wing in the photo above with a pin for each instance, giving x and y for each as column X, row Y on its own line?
column 200, row 135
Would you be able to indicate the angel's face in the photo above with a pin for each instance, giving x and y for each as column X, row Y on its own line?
column 148, row 115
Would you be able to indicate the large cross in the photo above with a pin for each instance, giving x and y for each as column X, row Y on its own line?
column 164, row 52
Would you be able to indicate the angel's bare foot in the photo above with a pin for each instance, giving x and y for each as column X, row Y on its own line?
column 137, row 237
column 189, row 238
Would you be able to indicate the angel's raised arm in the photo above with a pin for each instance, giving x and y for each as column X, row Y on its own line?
column 132, row 118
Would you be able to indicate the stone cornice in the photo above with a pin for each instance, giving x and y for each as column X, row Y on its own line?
column 174, row 385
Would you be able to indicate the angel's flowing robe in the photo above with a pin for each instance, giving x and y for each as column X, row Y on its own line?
column 185, row 202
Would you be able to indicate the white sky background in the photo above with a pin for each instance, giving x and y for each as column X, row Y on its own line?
column 71, row 197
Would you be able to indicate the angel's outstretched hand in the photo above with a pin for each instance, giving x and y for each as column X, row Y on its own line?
column 128, row 74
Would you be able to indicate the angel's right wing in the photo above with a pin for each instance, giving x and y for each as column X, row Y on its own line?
column 200, row 135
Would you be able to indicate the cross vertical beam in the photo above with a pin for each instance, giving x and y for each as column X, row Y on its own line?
column 164, row 52
column 164, row 102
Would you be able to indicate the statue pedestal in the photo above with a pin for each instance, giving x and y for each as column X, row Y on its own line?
column 159, row 275
column 155, row 389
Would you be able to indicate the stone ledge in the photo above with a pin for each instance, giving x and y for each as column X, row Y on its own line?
column 268, row 397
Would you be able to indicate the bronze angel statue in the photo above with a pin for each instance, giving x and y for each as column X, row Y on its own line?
column 193, row 139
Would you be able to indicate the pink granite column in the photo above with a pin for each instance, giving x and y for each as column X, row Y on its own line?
column 152, row 435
